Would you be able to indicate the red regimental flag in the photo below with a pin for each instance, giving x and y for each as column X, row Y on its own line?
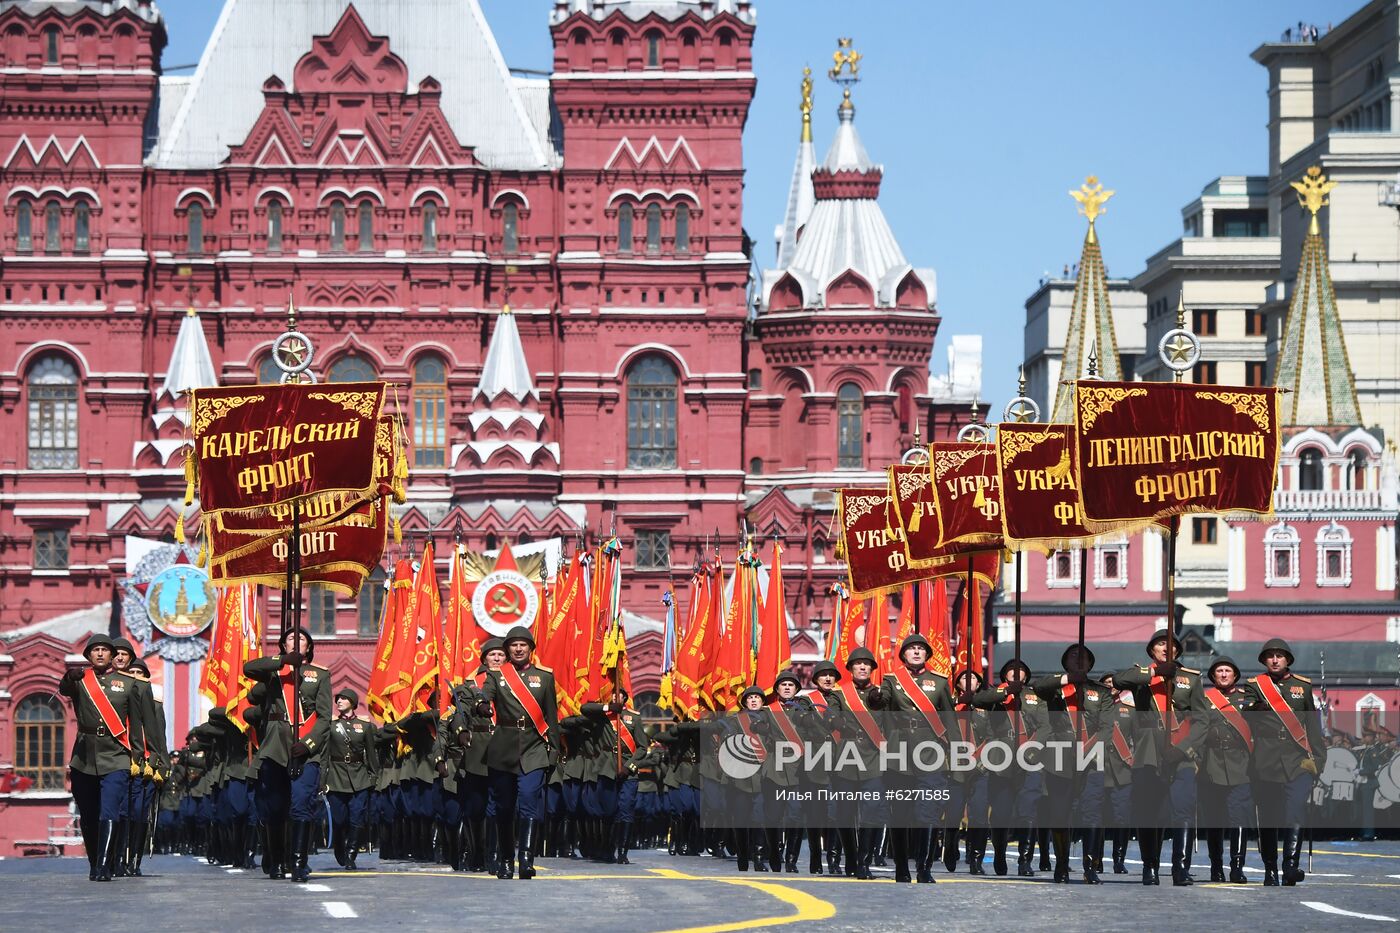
column 774, row 646
column 853, row 629
column 967, row 492
column 877, row 637
column 426, row 612
column 1150, row 450
column 393, row 655
column 940, row 638
column 690, row 657
column 713, row 690
column 223, row 668
column 556, row 641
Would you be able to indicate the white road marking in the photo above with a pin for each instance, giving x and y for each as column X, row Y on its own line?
column 1337, row 911
column 319, row 888
column 339, row 910
column 234, row 871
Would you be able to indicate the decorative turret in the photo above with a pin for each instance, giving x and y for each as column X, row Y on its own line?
column 191, row 367
column 800, row 196
column 508, row 429
column 1091, row 335
column 1312, row 361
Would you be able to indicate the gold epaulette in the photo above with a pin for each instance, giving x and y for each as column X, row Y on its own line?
column 547, row 670
column 1301, row 677
column 1144, row 668
column 1190, row 670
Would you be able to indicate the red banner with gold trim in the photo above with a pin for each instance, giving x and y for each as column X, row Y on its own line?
column 1039, row 488
column 912, row 514
column 260, row 446
column 967, row 493
column 876, row 557
column 1149, row 450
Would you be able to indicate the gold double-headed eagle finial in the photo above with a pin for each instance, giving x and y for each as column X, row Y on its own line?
column 1091, row 198
column 1312, row 194
column 806, row 105
column 844, row 59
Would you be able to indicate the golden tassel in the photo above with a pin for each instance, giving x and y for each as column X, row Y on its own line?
column 1061, row 469
column 916, row 520
column 203, row 557
column 398, row 532
column 189, row 476
column 980, row 499
column 180, row 528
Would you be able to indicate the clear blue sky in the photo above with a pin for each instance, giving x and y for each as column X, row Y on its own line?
column 984, row 116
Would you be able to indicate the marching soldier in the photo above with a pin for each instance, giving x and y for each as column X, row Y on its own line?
column 848, row 706
column 235, row 802
column 1289, row 754
column 1076, row 707
column 522, row 749
column 471, row 730
column 798, row 722
column 132, row 827
column 682, row 781
column 1118, row 728
column 617, row 737
column 1164, row 774
column 968, row 787
column 417, row 773
column 351, row 771
column 104, row 704
column 297, row 715
column 924, row 706
column 825, row 676
column 1018, row 715
column 1226, row 798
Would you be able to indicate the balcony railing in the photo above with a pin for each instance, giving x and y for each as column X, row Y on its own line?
column 1326, row 500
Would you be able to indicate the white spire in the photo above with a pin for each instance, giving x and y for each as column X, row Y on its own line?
column 191, row 366
column 800, row 197
column 506, row 371
column 847, row 153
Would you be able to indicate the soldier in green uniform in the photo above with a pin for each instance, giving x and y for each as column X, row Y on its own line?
column 1289, row 754
column 682, row 781
column 351, row 769
column 1164, row 757
column 1076, row 706
column 109, row 731
column 1223, row 783
column 297, row 716
column 131, row 828
column 1117, row 727
column 1018, row 716
column 616, row 740
column 168, row 815
column 862, row 809
column 417, row 773
column 522, row 749
column 386, row 795
column 968, row 788
column 823, row 839
column 234, row 802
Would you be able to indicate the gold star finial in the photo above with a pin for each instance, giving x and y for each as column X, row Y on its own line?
column 1312, row 194
column 845, row 63
column 806, row 105
column 1091, row 198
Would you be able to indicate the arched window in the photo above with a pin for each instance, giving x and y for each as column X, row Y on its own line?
column 269, row 373
column 491, row 541
column 624, row 228
column 82, row 227
column 351, row 368
column 50, row 45
column 652, row 385
column 1356, row 469
column 194, row 232
column 320, row 610
column 653, row 228
column 53, row 414
column 24, row 226
column 755, row 466
column 682, row 228
column 510, row 227
column 274, row 226
column 39, row 741
column 53, row 227
column 850, row 431
column 337, row 225
column 369, row 607
column 653, row 49
column 430, row 227
column 366, row 220
column 1310, row 469
column 430, row 412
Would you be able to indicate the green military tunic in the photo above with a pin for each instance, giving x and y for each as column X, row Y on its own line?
column 1091, row 699
column 314, row 694
column 1225, row 757
column 351, row 763
column 1278, row 757
column 516, row 745
column 609, row 753
column 1154, row 748
column 95, row 750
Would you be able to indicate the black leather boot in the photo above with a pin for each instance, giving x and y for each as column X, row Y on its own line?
column 867, row 839
column 999, row 840
column 106, row 832
column 624, row 843
column 136, row 849
column 846, row 841
column 490, row 846
column 772, row 848
column 899, row 849
column 1215, row 849
column 529, row 831
column 741, row 848
column 1120, row 851
column 792, row 849
column 1292, row 839
column 950, row 849
column 1181, row 860
column 505, row 847
column 1025, row 856
column 1059, row 841
column 352, row 848
column 976, row 851
column 1093, row 848
column 339, row 847
column 814, row 852
column 301, row 848
column 921, row 850
column 1150, row 845
column 1042, row 836
column 1237, row 855
column 118, row 858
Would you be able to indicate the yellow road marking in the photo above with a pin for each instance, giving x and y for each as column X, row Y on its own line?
column 807, row 906
column 1353, row 854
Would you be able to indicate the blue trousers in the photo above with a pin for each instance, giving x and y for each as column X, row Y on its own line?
column 1014, row 795
column 571, row 796
column 627, row 801
column 281, row 798
column 1283, row 803
column 417, row 798
column 1118, row 807
column 447, row 803
column 1163, row 800
column 234, row 802
column 683, row 800
column 352, row 807
column 473, row 791
column 1225, row 807
column 521, row 794
column 100, row 797
column 971, row 794
column 600, row 798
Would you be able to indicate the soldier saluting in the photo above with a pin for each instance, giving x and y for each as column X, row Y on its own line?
column 109, row 728
column 521, row 750
column 1288, row 756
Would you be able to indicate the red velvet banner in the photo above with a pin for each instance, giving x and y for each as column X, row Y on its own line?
column 1149, row 450
column 967, row 494
column 1039, row 488
column 876, row 557
column 912, row 513
column 261, row 446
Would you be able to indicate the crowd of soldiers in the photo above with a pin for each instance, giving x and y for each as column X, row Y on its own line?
column 499, row 778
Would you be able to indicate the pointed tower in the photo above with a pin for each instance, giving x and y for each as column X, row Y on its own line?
column 509, row 445
column 800, row 197
column 1312, row 363
column 191, row 367
column 1091, row 316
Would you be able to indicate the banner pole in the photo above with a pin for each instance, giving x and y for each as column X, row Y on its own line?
column 1171, row 587
column 1083, row 589
column 1018, row 608
column 968, row 596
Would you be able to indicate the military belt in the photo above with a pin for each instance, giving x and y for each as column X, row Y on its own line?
column 93, row 730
